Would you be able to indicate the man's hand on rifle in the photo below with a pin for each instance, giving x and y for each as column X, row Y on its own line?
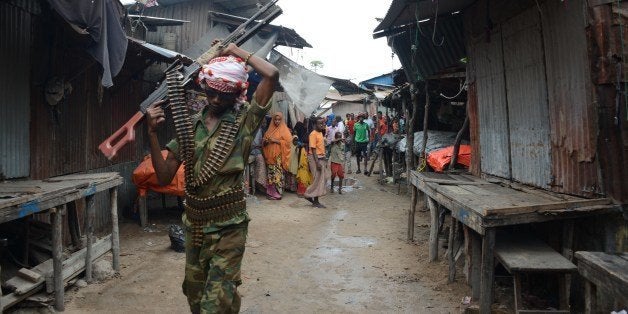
column 155, row 116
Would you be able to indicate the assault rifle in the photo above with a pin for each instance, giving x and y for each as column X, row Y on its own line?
column 246, row 30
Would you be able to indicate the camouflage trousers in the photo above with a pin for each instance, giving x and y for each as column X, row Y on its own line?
column 212, row 271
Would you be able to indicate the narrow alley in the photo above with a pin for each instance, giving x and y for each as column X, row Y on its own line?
column 352, row 257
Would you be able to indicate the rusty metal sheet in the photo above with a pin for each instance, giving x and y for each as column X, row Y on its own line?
column 572, row 114
column 487, row 70
column 528, row 121
column 15, row 39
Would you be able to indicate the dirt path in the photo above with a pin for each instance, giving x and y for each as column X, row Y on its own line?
column 349, row 258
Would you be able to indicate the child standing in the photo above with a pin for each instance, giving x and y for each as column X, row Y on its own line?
column 337, row 159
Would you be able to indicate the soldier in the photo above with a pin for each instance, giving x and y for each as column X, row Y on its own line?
column 215, row 218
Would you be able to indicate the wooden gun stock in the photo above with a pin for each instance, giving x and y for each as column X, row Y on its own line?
column 121, row 137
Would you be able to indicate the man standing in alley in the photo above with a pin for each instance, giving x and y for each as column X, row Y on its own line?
column 215, row 217
column 361, row 141
column 318, row 165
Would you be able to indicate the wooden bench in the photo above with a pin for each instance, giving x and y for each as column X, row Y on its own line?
column 519, row 254
column 606, row 271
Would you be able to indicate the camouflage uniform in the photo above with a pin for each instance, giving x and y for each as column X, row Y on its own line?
column 212, row 271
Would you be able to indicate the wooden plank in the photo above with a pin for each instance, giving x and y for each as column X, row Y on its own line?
column 29, row 275
column 487, row 272
column 460, row 210
column 454, row 190
column 433, row 241
column 89, row 230
column 8, row 187
column 515, row 219
column 75, row 264
column 454, row 182
column 62, row 195
column 115, row 231
column 412, row 214
column 526, row 254
column 606, row 271
column 84, row 176
column 563, row 205
column 57, row 258
column 478, row 190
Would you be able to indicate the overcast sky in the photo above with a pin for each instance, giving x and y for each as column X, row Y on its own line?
column 341, row 33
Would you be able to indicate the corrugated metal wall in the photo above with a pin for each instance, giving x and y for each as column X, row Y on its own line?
column 194, row 11
column 572, row 110
column 528, row 120
column 547, row 133
column 15, row 39
column 486, row 68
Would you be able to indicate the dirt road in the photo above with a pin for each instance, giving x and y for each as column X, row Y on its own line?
column 352, row 257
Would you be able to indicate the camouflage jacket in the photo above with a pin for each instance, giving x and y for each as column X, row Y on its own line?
column 230, row 175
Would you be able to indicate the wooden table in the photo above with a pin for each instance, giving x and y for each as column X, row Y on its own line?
column 609, row 272
column 484, row 207
column 22, row 198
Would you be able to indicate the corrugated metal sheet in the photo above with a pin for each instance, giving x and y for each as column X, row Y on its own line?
column 486, row 68
column 66, row 142
column 402, row 12
column 572, row 111
column 15, row 39
column 186, row 35
column 431, row 56
column 527, row 99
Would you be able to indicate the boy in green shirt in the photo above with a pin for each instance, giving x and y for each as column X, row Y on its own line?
column 361, row 139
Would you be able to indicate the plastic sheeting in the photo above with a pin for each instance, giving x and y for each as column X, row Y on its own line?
column 305, row 88
column 435, row 140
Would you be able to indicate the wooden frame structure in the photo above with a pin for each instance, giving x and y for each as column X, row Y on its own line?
column 56, row 196
column 484, row 207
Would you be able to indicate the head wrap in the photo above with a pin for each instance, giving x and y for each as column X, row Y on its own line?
column 282, row 134
column 226, row 74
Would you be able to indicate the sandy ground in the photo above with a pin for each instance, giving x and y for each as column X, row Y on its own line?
column 352, row 257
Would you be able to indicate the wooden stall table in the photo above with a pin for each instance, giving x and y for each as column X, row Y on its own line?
column 484, row 207
column 608, row 272
column 22, row 198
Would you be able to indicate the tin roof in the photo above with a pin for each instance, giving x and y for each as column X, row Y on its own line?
column 286, row 36
column 402, row 12
column 157, row 21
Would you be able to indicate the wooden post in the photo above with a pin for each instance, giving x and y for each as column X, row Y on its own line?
column 433, row 244
column 451, row 253
column 26, row 235
column 115, row 231
column 411, row 213
column 517, row 291
column 73, row 225
column 454, row 155
column 476, row 264
column 57, row 256
column 410, row 131
column 488, row 263
column 590, row 297
column 425, row 122
column 143, row 211
column 564, row 280
column 89, row 228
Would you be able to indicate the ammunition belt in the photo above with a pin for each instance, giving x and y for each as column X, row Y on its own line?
column 212, row 209
column 182, row 122
column 185, row 135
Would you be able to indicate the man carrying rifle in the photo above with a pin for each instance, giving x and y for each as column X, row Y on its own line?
column 215, row 215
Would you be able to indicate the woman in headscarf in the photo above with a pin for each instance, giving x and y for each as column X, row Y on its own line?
column 277, row 141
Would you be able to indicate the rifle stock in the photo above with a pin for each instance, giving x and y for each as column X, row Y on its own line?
column 126, row 133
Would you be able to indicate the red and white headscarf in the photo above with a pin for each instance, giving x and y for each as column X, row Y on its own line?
column 225, row 74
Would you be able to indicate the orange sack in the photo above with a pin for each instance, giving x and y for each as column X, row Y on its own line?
column 145, row 179
column 440, row 158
